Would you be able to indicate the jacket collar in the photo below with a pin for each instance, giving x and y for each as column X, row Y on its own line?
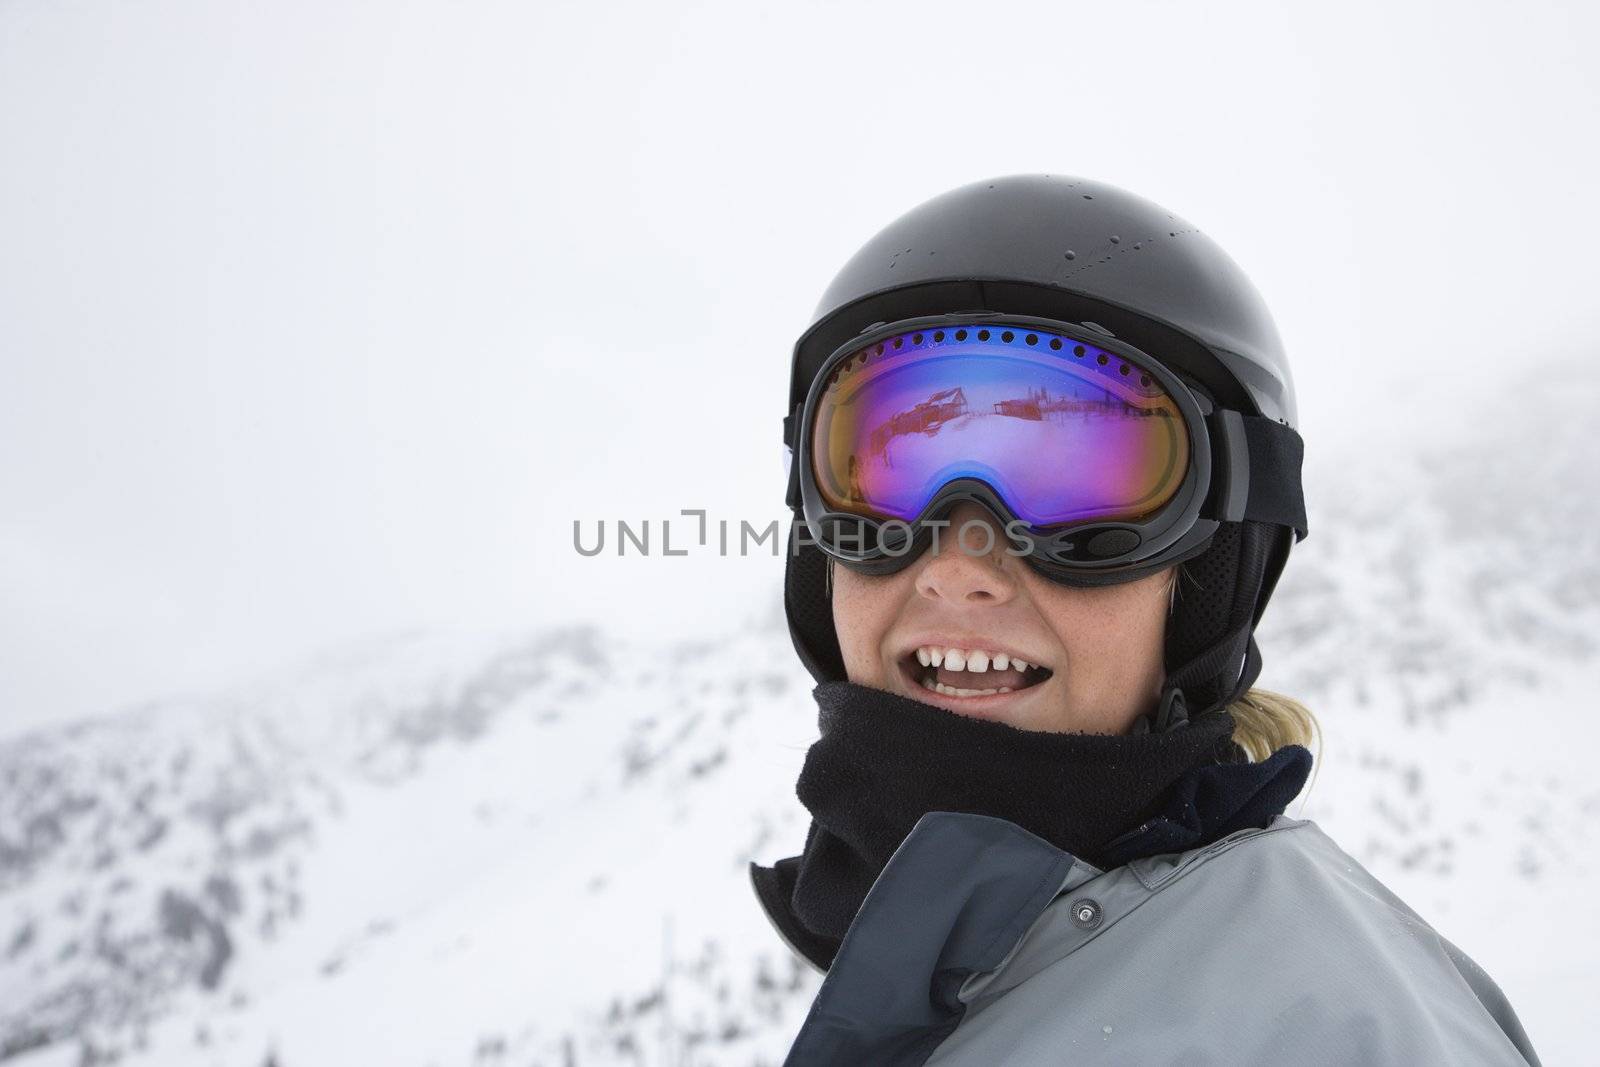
column 938, row 909
column 1208, row 803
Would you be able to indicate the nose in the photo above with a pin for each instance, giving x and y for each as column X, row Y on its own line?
column 961, row 572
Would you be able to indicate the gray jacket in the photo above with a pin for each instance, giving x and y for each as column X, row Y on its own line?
column 981, row 944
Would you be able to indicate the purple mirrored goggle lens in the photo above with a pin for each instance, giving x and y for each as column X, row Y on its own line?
column 1065, row 432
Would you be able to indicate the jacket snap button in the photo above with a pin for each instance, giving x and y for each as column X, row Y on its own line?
column 1086, row 913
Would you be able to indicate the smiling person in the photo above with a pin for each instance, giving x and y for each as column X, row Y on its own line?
column 1045, row 475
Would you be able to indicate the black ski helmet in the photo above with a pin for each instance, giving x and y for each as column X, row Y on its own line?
column 1084, row 251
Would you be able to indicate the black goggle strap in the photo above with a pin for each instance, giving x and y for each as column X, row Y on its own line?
column 1257, row 475
column 1257, row 472
column 791, row 496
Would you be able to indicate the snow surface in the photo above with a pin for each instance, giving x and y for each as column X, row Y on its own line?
column 531, row 848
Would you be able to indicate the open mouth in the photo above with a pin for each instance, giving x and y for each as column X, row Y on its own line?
column 962, row 672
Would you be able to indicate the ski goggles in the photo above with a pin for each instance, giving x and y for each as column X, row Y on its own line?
column 1097, row 457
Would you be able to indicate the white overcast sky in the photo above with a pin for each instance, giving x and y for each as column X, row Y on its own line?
column 323, row 320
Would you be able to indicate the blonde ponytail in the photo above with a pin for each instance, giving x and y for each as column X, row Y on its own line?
column 1264, row 721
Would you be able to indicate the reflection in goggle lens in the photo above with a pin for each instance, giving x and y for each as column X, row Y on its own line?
column 1063, row 431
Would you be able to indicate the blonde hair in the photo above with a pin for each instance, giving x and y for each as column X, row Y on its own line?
column 1264, row 721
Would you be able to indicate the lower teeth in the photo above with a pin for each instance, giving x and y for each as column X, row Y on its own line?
column 952, row 691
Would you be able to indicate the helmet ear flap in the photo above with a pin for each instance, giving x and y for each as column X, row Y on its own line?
column 808, row 604
column 1210, row 647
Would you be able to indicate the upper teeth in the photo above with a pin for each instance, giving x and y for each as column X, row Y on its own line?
column 961, row 659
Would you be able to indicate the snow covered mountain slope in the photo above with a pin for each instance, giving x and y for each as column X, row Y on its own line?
column 411, row 858
column 531, row 848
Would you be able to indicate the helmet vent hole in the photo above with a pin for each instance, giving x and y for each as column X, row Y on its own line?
column 1055, row 343
column 983, row 335
column 1032, row 338
column 1103, row 359
column 1007, row 336
column 961, row 335
column 1077, row 350
column 938, row 335
column 916, row 339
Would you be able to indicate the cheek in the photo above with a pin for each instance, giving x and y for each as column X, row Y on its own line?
column 864, row 608
column 1115, row 633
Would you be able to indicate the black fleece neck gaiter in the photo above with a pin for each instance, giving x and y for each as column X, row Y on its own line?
column 885, row 760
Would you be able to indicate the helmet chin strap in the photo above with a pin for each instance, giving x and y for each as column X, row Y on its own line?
column 1172, row 710
column 1171, row 713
